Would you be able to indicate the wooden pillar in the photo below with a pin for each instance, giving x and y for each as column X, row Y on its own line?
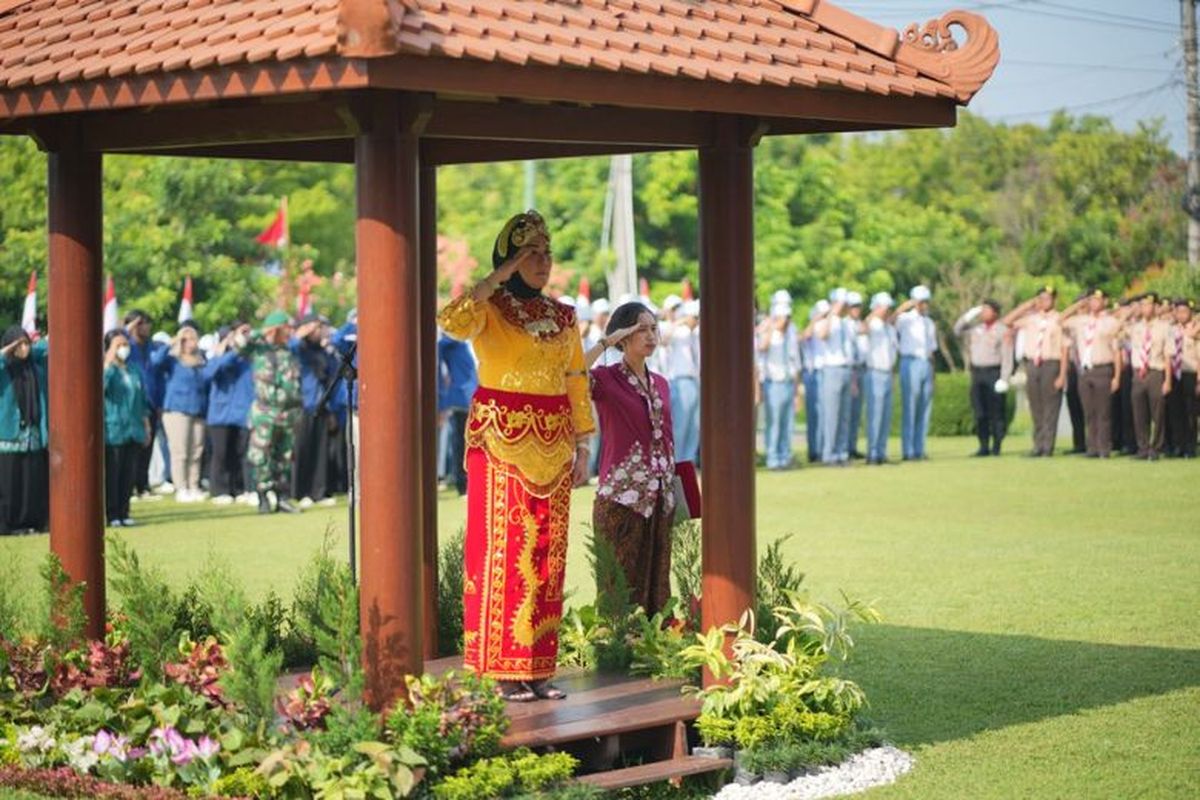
column 76, row 402
column 429, row 413
column 727, row 373
column 385, row 160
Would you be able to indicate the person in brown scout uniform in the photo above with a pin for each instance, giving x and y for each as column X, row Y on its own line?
column 1183, row 349
column 1096, row 336
column 1147, row 335
column 984, row 336
column 1045, row 364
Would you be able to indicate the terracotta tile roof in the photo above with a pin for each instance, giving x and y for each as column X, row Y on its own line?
column 801, row 43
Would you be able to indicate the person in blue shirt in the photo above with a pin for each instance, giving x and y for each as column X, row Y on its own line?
column 230, row 394
column 313, row 476
column 458, row 380
column 126, row 426
column 345, row 339
column 180, row 369
column 141, row 347
column 24, row 434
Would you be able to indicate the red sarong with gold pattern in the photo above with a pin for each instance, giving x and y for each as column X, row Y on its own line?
column 520, row 450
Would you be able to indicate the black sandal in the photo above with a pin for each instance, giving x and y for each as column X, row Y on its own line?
column 547, row 690
column 517, row 692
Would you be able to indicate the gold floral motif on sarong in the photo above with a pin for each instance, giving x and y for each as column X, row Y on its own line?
column 539, row 445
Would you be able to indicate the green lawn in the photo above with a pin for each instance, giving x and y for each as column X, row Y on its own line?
column 1040, row 636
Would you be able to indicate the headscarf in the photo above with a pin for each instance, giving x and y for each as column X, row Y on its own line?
column 516, row 233
column 24, row 380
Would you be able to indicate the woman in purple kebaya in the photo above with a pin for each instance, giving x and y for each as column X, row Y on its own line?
column 635, row 502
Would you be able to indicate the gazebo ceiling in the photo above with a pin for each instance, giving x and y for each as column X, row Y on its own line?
column 797, row 66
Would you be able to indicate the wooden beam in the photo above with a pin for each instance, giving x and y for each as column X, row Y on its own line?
column 479, row 151
column 332, row 151
column 76, row 402
column 555, row 84
column 727, row 419
column 429, row 405
column 527, row 122
column 386, row 164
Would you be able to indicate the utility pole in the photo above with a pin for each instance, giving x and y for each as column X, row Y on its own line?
column 1188, row 12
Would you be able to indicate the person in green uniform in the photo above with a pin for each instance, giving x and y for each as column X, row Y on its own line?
column 275, row 409
column 24, row 436
column 126, row 426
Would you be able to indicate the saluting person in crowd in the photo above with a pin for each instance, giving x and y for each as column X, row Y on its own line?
column 141, row 347
column 1045, row 364
column 838, row 337
column 858, row 369
column 985, row 338
column 126, row 426
column 459, row 380
column 1096, row 338
column 813, row 361
column 273, row 414
column 24, row 434
column 1148, row 335
column 1182, row 403
column 681, row 356
column 779, row 368
column 179, row 369
column 230, row 395
column 882, row 352
column 316, row 428
column 918, row 343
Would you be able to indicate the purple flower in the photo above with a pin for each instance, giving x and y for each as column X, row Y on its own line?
column 207, row 747
column 113, row 745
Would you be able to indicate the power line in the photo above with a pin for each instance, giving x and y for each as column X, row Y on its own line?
column 1077, row 65
column 1092, row 104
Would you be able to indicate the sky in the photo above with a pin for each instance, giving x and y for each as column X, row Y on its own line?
column 1109, row 57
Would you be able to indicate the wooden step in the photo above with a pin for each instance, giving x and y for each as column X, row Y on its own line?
column 656, row 771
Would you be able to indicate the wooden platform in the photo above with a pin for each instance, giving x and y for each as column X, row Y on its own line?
column 625, row 731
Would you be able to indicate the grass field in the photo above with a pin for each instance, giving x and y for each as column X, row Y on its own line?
column 1040, row 636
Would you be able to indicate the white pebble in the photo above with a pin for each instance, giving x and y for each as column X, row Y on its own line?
column 878, row 766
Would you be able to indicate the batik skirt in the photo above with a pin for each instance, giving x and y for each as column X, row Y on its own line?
column 518, row 458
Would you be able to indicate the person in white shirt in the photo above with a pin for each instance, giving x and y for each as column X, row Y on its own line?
column 881, row 353
column 779, row 366
column 917, row 342
column 835, row 331
column 812, row 361
column 984, row 337
column 858, row 369
column 681, row 366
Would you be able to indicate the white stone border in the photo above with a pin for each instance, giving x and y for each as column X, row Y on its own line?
column 877, row 766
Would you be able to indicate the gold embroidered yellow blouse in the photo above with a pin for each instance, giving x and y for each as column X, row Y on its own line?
column 525, row 347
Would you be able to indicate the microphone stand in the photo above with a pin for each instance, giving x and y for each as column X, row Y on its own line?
column 348, row 373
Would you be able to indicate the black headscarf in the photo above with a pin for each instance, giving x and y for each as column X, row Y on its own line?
column 24, row 380
column 513, row 236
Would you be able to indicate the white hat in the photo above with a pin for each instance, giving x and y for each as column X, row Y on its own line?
column 690, row 309
column 920, row 293
column 781, row 297
column 672, row 302
column 781, row 308
column 882, row 300
column 838, row 295
column 583, row 308
column 853, row 299
column 820, row 308
column 601, row 306
column 162, row 337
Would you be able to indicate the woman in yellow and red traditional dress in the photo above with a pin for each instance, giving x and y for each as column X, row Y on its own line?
column 527, row 447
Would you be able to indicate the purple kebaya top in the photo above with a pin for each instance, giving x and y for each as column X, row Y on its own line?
column 637, row 450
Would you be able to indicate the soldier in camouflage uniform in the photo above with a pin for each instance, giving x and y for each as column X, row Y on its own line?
column 276, row 406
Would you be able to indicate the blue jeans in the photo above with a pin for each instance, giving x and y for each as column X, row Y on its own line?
column 685, row 416
column 877, row 386
column 812, row 412
column 835, row 414
column 779, row 401
column 916, row 400
column 859, row 378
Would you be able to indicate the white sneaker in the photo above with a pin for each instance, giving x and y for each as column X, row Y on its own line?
column 248, row 499
column 305, row 502
column 128, row 522
column 165, row 488
column 327, row 502
column 184, row 496
column 222, row 500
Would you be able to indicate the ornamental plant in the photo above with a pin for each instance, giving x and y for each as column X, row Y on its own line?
column 200, row 668
column 306, row 707
column 449, row 719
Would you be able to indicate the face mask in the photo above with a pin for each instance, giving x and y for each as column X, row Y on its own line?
column 123, row 352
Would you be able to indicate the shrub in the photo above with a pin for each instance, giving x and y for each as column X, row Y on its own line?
column 242, row 782
column 715, row 731
column 505, row 776
column 147, row 604
column 450, row 595
column 65, row 782
column 325, row 613
column 307, row 706
column 449, row 720
column 686, row 566
column 613, row 606
column 201, row 668
column 64, row 621
column 776, row 581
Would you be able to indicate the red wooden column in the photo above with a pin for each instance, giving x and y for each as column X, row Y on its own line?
column 727, row 373
column 385, row 159
column 76, row 402
column 429, row 383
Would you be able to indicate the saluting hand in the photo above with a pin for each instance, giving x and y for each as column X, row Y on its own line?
column 618, row 336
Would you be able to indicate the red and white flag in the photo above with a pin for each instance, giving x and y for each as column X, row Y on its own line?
column 303, row 300
column 276, row 234
column 112, row 318
column 585, row 289
column 686, row 290
column 185, row 305
column 29, row 315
